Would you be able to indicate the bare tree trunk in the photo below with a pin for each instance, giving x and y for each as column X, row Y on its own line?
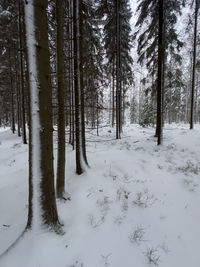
column 160, row 66
column 18, row 98
column 117, row 71
column 194, row 65
column 72, row 73
column 22, row 76
column 27, row 67
column 12, row 97
column 113, row 96
column 41, row 179
column 79, row 168
column 83, row 144
column 60, row 181
column 97, row 115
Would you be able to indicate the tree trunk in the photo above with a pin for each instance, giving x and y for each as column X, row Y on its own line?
column 81, row 84
column 159, row 79
column 97, row 114
column 194, row 65
column 113, row 96
column 60, row 185
column 12, row 97
column 79, row 168
column 42, row 204
column 22, row 76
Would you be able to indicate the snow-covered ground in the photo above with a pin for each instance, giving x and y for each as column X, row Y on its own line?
column 138, row 204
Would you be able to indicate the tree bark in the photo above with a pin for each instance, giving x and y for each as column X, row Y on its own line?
column 79, row 168
column 159, row 79
column 83, row 144
column 60, row 185
column 194, row 65
column 22, row 76
column 41, row 167
column 12, row 97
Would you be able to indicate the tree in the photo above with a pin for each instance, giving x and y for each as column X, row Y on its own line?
column 133, row 109
column 80, row 73
column 160, row 72
column 77, row 86
column 8, row 55
column 147, row 32
column 60, row 185
column 21, row 73
column 116, row 15
column 92, row 59
column 42, row 204
column 194, row 63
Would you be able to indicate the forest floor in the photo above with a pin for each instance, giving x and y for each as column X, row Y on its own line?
column 137, row 205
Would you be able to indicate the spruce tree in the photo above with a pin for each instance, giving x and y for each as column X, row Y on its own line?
column 147, row 34
column 117, row 41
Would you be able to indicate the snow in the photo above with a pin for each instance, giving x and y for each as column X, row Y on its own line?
column 137, row 203
column 5, row 13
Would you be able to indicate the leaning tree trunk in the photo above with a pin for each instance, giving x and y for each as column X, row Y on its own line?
column 42, row 204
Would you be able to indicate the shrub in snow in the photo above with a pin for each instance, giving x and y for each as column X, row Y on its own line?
column 144, row 199
column 95, row 222
column 122, row 193
column 137, row 236
column 152, row 256
column 189, row 167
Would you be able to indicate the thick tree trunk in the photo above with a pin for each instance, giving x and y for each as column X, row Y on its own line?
column 41, row 180
column 60, row 185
